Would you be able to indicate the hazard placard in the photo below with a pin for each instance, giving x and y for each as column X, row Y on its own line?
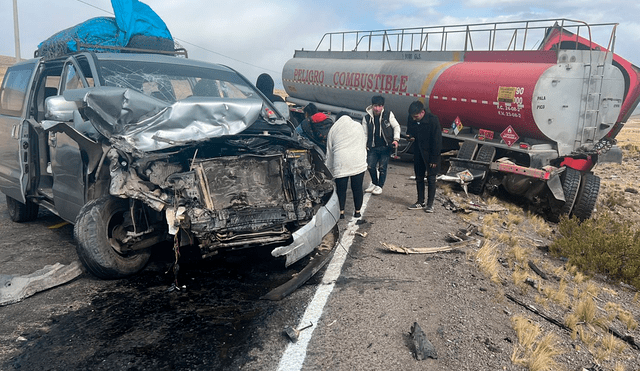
column 509, row 136
column 457, row 126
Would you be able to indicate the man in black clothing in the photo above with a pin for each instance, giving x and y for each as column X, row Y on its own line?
column 266, row 85
column 424, row 130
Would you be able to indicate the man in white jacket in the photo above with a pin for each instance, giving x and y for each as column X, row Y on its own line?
column 383, row 132
column 347, row 159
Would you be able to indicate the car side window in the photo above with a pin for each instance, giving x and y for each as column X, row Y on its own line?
column 14, row 89
column 72, row 79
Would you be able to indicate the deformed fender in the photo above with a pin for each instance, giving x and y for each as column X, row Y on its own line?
column 307, row 238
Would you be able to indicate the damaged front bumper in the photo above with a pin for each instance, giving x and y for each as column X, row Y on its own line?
column 310, row 236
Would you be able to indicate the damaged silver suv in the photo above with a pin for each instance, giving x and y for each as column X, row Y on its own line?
column 136, row 149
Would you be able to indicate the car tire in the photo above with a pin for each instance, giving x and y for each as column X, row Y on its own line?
column 587, row 196
column 95, row 230
column 570, row 185
column 19, row 212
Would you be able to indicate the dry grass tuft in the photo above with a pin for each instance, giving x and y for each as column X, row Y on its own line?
column 519, row 254
column 519, row 276
column 539, row 225
column 612, row 310
column 579, row 277
column 608, row 346
column 627, row 319
column 514, row 219
column 531, row 351
column 585, row 310
column 592, row 289
column 559, row 294
column 487, row 259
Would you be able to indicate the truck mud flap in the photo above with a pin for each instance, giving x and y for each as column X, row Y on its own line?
column 485, row 155
column 319, row 259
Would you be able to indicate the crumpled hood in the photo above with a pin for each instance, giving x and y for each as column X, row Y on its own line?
column 133, row 119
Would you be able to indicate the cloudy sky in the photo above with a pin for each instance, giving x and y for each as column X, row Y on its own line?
column 255, row 36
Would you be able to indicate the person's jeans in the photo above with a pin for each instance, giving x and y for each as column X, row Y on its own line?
column 377, row 162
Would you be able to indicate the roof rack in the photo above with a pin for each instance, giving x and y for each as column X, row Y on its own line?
column 176, row 51
column 512, row 35
column 121, row 49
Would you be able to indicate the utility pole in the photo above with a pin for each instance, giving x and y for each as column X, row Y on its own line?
column 16, row 29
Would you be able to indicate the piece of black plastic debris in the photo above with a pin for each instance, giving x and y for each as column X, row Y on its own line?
column 538, row 271
column 423, row 347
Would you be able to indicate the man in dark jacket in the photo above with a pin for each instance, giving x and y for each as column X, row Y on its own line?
column 315, row 126
column 266, row 85
column 424, row 130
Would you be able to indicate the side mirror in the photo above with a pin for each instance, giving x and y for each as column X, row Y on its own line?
column 59, row 109
column 283, row 109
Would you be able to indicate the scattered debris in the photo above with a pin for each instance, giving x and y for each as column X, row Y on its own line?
column 15, row 288
column 533, row 309
column 293, row 334
column 531, row 283
column 423, row 347
column 491, row 346
column 462, row 238
column 430, row 250
column 471, row 206
column 361, row 234
column 463, row 234
column 626, row 338
column 537, row 270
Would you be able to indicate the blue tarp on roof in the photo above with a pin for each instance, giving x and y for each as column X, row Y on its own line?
column 135, row 25
column 136, row 18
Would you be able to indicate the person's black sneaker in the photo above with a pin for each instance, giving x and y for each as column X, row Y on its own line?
column 341, row 215
column 357, row 214
column 416, row 206
column 429, row 209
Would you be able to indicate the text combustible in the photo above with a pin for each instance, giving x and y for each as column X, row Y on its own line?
column 374, row 81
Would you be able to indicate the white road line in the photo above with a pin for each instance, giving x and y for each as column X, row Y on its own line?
column 294, row 355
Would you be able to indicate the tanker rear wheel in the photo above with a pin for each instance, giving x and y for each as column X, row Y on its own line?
column 587, row 196
column 570, row 185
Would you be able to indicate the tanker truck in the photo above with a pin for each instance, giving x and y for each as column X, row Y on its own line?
column 527, row 107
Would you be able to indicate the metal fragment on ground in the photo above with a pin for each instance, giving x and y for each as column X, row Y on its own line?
column 423, row 347
column 15, row 288
column 430, row 250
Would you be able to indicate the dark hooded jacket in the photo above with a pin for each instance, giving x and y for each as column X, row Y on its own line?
column 316, row 128
column 265, row 84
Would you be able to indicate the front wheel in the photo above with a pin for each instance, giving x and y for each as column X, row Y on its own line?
column 99, row 229
column 19, row 212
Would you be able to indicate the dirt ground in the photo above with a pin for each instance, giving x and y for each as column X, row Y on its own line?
column 220, row 323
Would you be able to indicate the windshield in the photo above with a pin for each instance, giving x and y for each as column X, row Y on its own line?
column 172, row 82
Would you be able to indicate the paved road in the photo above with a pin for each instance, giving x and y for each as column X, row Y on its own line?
column 218, row 322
